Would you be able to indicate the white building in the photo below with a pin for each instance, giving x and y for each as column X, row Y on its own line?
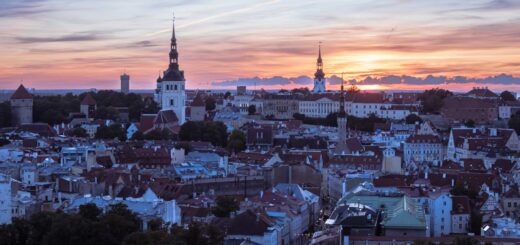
column 422, row 148
column 441, row 213
column 460, row 214
column 5, row 199
column 319, row 106
column 171, row 92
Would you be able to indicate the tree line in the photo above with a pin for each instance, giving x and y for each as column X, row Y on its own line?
column 118, row 226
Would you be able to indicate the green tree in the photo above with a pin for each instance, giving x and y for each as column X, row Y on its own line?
column 507, row 96
column 211, row 103
column 109, row 112
column 4, row 141
column 5, row 114
column 113, row 131
column 227, row 95
column 155, row 224
column 215, row 235
column 469, row 123
column 413, row 118
column 89, row 211
column 214, row 132
column 184, row 145
column 251, row 110
column 299, row 116
column 120, row 221
column 225, row 205
column 514, row 122
column 79, row 132
column 432, row 100
column 159, row 134
column 138, row 136
column 475, row 222
column 236, row 142
column 303, row 91
column 353, row 89
column 137, row 238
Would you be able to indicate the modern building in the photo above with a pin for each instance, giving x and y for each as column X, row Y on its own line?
column 125, row 83
column 319, row 76
column 21, row 107
column 171, row 91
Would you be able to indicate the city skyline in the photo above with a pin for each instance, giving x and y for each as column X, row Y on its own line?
column 272, row 44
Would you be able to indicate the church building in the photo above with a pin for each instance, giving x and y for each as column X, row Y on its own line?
column 170, row 93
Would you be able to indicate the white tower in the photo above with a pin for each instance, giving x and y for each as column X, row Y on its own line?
column 319, row 76
column 170, row 93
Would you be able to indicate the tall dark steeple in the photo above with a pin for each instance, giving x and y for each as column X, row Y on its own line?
column 342, row 112
column 173, row 73
column 319, row 75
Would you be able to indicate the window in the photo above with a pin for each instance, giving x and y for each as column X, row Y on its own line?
column 509, row 204
column 175, row 87
column 171, row 102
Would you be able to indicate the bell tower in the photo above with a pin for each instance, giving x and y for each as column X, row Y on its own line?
column 171, row 92
column 319, row 75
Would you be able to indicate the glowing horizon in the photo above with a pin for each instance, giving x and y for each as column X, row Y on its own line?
column 52, row 44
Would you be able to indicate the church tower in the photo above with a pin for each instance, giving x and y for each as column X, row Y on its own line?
column 319, row 76
column 170, row 93
column 341, row 146
column 21, row 107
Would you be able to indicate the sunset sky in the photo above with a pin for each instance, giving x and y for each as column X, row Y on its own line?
column 87, row 44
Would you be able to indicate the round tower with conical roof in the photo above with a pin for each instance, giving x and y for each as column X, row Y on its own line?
column 21, row 107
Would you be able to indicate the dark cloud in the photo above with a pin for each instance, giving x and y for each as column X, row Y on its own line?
column 76, row 37
column 257, row 81
column 502, row 79
column 22, row 8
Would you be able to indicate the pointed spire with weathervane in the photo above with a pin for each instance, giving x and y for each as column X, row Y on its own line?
column 342, row 147
column 173, row 73
column 319, row 75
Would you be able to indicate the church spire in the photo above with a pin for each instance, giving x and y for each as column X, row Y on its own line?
column 174, row 55
column 319, row 75
column 342, row 101
column 173, row 73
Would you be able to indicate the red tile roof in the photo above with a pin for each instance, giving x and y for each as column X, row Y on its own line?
column 460, row 205
column 21, row 94
column 88, row 100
